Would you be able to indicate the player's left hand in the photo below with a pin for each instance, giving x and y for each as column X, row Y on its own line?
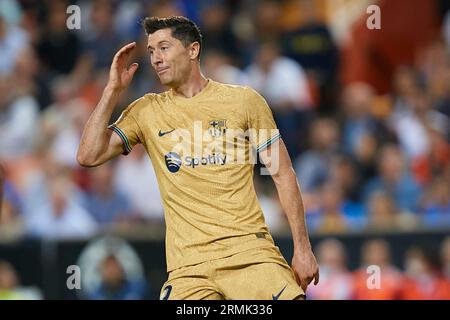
column 305, row 267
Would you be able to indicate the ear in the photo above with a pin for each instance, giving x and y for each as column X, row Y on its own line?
column 194, row 50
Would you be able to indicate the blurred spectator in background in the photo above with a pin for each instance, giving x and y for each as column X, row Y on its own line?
column 435, row 205
column 12, row 38
column 377, row 253
column 336, row 281
column 312, row 46
column 62, row 121
column 114, row 283
column 395, row 179
column 385, row 216
column 344, row 174
column 57, row 213
column 283, row 83
column 423, row 280
column 11, row 217
column 270, row 206
column 103, row 39
column 335, row 214
column 19, row 119
column 266, row 16
column 105, row 204
column 10, row 288
column 312, row 166
column 357, row 120
column 217, row 66
column 59, row 48
column 445, row 258
column 412, row 125
column 135, row 178
column 217, row 30
column 2, row 182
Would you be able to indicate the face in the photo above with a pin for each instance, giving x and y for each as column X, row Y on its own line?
column 171, row 60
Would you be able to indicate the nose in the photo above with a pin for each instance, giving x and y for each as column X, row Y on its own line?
column 156, row 59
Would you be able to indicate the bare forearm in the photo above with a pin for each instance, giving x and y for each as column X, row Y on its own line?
column 95, row 139
column 292, row 204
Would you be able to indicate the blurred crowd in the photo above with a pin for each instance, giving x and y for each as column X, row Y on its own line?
column 424, row 275
column 366, row 158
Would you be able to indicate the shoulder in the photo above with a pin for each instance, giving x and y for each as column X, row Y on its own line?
column 146, row 103
column 238, row 91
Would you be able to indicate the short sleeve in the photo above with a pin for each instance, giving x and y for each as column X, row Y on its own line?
column 127, row 128
column 262, row 128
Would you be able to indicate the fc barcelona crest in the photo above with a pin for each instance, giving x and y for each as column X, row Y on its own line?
column 217, row 128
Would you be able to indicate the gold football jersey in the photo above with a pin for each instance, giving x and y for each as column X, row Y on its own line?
column 203, row 150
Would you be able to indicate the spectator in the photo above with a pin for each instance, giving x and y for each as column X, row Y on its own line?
column 114, row 284
column 445, row 258
column 331, row 218
column 385, row 216
column 358, row 122
column 377, row 253
column 217, row 30
column 395, row 179
column 270, row 206
column 18, row 121
column 12, row 38
column 312, row 46
column 283, row 83
column 312, row 167
column 422, row 277
column 10, row 288
column 11, row 219
column 59, row 49
column 435, row 206
column 62, row 121
column 336, row 281
column 2, row 179
column 103, row 40
column 135, row 178
column 106, row 205
column 59, row 215
column 217, row 65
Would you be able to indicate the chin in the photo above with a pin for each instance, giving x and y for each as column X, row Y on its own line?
column 165, row 81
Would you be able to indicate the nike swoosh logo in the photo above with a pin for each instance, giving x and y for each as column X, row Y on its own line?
column 279, row 294
column 161, row 133
column 167, row 291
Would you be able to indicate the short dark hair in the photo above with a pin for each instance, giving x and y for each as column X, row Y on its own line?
column 182, row 29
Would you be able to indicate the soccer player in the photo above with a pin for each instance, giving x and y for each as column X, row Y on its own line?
column 217, row 243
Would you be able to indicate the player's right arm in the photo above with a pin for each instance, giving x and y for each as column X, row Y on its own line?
column 98, row 144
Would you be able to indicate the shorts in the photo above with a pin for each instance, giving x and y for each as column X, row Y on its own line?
column 255, row 274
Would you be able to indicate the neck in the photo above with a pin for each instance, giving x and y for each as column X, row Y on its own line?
column 192, row 86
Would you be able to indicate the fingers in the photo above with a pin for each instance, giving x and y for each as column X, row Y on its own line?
column 316, row 278
column 303, row 282
column 125, row 50
column 132, row 69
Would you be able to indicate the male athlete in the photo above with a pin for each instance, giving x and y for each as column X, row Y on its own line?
column 217, row 243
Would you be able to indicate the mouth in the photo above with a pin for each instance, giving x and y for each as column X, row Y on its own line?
column 162, row 70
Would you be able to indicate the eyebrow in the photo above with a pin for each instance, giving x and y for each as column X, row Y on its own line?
column 150, row 47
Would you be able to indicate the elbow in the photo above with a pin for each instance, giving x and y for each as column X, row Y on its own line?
column 85, row 161
column 284, row 176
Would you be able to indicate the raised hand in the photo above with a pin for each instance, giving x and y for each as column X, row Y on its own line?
column 120, row 75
